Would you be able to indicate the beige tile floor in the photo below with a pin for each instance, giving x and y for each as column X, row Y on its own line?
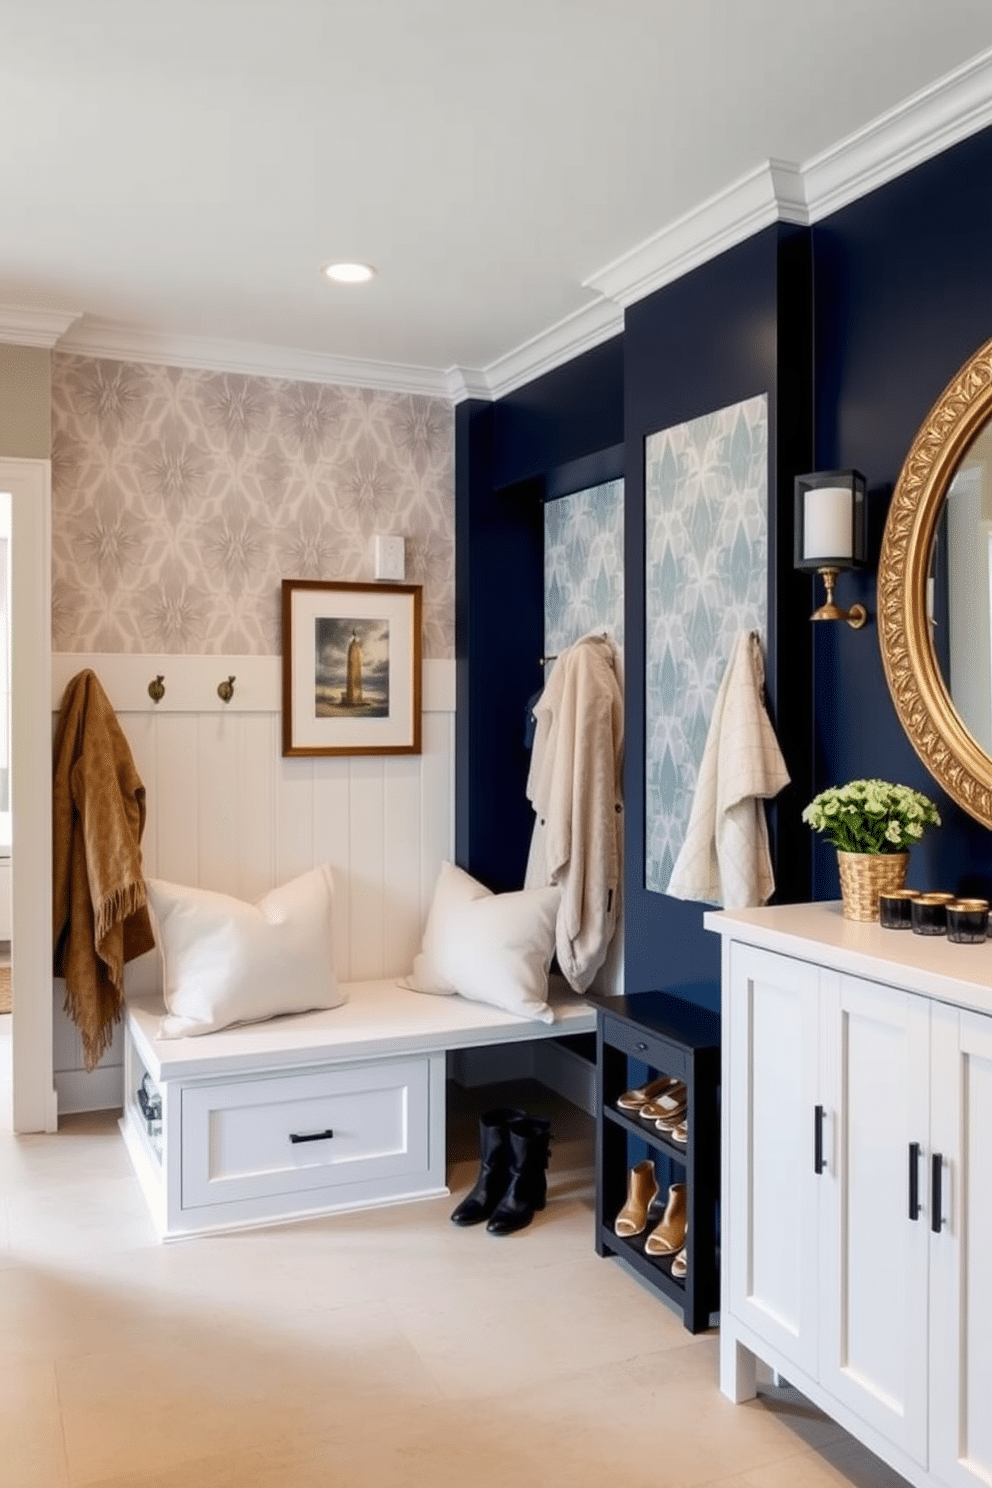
column 363, row 1351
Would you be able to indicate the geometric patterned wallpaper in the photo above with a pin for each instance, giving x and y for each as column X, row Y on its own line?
column 706, row 545
column 583, row 566
column 181, row 498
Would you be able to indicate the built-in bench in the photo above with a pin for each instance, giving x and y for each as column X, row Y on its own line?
column 314, row 1113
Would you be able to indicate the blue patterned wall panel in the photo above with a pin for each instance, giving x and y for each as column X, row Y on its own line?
column 583, row 566
column 706, row 547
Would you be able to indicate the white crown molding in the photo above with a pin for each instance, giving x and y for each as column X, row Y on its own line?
column 103, row 339
column 773, row 192
column 567, row 338
column 23, row 326
column 939, row 116
column 467, row 382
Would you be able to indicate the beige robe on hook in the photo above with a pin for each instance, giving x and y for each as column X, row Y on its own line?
column 574, row 785
column 725, row 858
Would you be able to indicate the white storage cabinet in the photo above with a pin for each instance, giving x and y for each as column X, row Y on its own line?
column 857, row 1191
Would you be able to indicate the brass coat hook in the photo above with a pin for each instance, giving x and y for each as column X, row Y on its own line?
column 156, row 688
column 225, row 690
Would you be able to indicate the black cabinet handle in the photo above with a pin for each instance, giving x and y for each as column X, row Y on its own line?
column 818, row 1163
column 936, row 1202
column 311, row 1136
column 914, row 1180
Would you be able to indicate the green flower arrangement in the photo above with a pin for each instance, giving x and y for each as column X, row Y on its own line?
column 871, row 816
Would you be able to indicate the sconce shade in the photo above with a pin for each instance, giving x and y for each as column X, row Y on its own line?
column 830, row 520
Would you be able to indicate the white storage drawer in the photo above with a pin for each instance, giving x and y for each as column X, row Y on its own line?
column 354, row 1124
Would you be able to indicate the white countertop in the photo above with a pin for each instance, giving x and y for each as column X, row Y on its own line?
column 931, row 964
column 376, row 1019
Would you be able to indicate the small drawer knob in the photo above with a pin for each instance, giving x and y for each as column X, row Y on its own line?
column 640, row 1046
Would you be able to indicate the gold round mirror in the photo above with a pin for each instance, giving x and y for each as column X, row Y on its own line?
column 950, row 453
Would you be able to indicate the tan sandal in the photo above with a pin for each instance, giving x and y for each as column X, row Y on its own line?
column 642, row 1190
column 669, row 1237
column 632, row 1100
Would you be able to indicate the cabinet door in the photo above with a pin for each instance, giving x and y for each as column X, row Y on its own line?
column 770, row 1014
column 961, row 1249
column 874, row 1252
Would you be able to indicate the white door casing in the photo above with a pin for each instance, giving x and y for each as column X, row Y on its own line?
column 29, row 485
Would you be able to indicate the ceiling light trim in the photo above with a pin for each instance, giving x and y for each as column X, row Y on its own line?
column 773, row 192
column 24, row 326
column 103, row 339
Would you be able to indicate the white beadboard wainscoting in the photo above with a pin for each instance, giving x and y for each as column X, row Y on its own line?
column 226, row 811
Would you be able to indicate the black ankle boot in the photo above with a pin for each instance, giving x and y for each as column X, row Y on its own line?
column 494, row 1174
column 530, row 1141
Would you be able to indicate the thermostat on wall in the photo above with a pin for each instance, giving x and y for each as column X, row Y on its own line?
column 390, row 559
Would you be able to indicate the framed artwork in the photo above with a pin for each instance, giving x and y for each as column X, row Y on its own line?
column 350, row 668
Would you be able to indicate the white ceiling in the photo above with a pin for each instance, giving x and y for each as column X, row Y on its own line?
column 175, row 174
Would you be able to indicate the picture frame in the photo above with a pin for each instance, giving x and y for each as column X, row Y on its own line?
column 351, row 668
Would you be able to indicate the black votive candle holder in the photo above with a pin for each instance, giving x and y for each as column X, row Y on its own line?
column 929, row 912
column 967, row 921
column 895, row 909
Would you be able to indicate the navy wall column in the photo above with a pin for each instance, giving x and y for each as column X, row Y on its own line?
column 736, row 327
column 506, row 455
column 499, row 623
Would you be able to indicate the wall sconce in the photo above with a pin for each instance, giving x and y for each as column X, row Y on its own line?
column 831, row 534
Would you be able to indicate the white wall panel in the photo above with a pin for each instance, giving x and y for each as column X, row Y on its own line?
column 368, row 865
column 175, row 789
column 226, row 811
column 332, row 844
column 258, row 746
column 294, row 836
column 402, row 836
column 437, row 801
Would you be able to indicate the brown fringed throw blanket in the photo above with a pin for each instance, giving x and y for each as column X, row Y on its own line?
column 98, row 815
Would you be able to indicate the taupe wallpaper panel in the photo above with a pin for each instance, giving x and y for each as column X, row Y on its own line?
column 182, row 498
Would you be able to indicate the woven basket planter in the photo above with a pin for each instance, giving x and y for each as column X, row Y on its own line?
column 864, row 876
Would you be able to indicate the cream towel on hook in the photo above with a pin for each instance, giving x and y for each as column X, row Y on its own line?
column 724, row 858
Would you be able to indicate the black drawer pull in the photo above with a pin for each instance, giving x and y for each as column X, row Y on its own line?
column 311, row 1136
column 818, row 1163
column 914, row 1180
column 936, row 1174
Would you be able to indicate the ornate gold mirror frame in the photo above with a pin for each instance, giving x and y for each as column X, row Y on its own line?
column 918, row 689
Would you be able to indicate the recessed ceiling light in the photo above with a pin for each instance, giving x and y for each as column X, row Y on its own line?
column 349, row 273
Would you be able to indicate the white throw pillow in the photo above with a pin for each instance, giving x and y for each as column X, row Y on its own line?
column 225, row 961
column 493, row 948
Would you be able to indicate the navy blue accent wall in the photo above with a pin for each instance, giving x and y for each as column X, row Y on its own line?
column 734, row 328
column 853, row 329
column 505, row 454
column 568, row 414
column 903, row 297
